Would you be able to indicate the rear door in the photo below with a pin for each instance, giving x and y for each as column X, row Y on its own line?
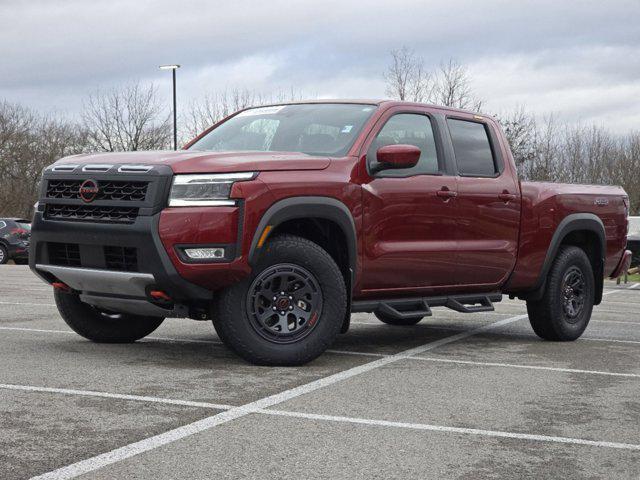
column 488, row 203
column 409, row 214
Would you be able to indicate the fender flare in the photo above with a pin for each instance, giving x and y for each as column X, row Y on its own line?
column 571, row 223
column 309, row 207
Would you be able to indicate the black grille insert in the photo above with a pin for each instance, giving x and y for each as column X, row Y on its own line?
column 91, row 213
column 114, row 190
column 64, row 254
column 121, row 258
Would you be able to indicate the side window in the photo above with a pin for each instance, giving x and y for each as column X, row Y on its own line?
column 472, row 148
column 2, row 225
column 408, row 129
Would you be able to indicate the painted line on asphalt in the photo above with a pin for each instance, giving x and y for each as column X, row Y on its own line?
column 29, row 304
column 119, row 396
column 331, row 418
column 145, row 445
column 613, row 321
column 460, row 430
column 525, row 367
column 613, row 340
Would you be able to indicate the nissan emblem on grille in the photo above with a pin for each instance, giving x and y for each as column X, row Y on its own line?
column 88, row 190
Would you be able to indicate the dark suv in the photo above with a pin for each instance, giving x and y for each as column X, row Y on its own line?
column 15, row 234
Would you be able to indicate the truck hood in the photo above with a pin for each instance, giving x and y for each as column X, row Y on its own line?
column 188, row 161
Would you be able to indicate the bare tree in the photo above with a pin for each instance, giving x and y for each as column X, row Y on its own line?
column 125, row 119
column 215, row 106
column 407, row 78
column 28, row 143
column 453, row 87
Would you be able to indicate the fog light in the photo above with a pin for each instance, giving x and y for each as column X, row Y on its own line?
column 204, row 253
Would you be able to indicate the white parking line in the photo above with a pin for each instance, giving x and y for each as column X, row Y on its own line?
column 329, row 418
column 467, row 431
column 613, row 340
column 29, row 304
column 525, row 367
column 122, row 453
column 91, row 393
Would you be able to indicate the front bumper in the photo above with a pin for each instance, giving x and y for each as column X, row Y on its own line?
column 90, row 275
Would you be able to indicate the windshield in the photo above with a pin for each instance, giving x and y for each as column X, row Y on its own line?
column 327, row 129
column 26, row 226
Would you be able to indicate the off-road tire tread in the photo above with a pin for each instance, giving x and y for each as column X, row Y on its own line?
column 232, row 324
column 543, row 314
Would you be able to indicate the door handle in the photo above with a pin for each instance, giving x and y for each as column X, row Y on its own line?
column 506, row 197
column 446, row 194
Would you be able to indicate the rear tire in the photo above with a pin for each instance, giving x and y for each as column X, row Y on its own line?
column 102, row 327
column 564, row 311
column 289, row 311
column 4, row 255
column 398, row 321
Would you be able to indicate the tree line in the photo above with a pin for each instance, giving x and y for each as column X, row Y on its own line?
column 134, row 117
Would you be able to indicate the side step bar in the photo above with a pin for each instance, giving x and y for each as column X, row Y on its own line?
column 401, row 308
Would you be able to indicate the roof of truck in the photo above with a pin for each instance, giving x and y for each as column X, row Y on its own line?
column 371, row 101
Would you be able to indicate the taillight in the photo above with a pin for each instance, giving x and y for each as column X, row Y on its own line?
column 21, row 233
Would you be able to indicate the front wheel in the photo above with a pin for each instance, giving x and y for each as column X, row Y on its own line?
column 103, row 327
column 4, row 255
column 289, row 310
column 564, row 311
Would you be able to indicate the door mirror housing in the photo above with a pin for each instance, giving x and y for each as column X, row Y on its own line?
column 396, row 156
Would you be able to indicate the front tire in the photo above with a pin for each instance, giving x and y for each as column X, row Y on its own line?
column 289, row 311
column 4, row 255
column 102, row 327
column 564, row 311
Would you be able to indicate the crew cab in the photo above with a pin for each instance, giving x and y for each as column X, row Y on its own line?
column 280, row 221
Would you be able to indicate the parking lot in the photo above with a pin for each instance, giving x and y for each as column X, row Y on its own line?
column 457, row 396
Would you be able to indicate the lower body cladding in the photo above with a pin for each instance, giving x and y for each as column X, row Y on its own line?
column 122, row 268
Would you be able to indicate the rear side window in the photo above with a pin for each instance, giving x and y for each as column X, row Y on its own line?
column 408, row 129
column 2, row 224
column 472, row 148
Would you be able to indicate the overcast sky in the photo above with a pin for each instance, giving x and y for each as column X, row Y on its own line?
column 580, row 59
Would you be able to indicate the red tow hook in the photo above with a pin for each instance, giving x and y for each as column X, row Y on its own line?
column 63, row 287
column 159, row 295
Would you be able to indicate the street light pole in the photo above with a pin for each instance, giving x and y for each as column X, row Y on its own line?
column 173, row 69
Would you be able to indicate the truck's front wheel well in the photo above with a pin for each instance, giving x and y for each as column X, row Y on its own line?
column 589, row 242
column 324, row 233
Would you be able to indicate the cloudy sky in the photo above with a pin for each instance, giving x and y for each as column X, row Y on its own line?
column 579, row 59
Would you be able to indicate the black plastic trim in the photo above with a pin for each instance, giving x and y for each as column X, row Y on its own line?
column 572, row 223
column 309, row 207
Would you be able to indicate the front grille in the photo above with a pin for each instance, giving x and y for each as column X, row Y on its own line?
column 118, row 190
column 65, row 254
column 91, row 213
column 121, row 258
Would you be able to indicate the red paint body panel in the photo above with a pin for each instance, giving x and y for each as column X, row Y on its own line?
column 410, row 241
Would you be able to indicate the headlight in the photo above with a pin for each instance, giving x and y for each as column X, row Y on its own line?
column 205, row 189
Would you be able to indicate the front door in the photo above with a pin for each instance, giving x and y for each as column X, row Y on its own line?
column 409, row 214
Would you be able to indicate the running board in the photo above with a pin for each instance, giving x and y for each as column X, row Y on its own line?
column 401, row 308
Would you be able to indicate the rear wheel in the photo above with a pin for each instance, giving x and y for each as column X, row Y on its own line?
column 4, row 255
column 398, row 321
column 100, row 326
column 289, row 311
column 564, row 311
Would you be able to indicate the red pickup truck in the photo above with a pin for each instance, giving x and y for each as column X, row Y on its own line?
column 280, row 221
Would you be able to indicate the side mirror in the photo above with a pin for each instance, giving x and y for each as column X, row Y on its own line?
column 396, row 156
